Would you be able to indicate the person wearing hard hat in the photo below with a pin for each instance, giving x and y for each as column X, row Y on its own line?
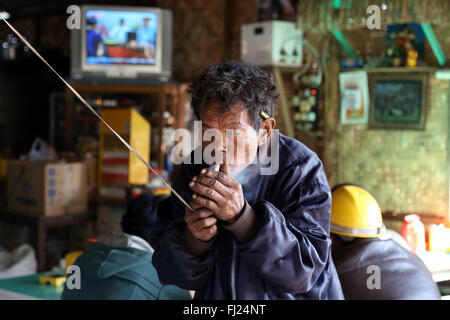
column 370, row 263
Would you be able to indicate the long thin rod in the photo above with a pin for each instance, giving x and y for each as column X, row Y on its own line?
column 98, row 116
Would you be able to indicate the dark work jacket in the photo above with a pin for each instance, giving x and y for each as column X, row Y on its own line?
column 403, row 275
column 289, row 257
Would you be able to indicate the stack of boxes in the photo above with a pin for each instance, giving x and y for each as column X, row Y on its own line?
column 46, row 188
column 119, row 167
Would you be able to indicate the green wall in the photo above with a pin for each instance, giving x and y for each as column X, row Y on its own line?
column 406, row 170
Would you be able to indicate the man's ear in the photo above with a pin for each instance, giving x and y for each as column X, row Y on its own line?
column 266, row 130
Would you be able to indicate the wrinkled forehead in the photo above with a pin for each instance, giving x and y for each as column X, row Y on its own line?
column 214, row 115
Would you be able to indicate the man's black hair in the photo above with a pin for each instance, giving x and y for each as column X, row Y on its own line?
column 230, row 83
column 141, row 213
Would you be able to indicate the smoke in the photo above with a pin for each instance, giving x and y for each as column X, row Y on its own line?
column 249, row 178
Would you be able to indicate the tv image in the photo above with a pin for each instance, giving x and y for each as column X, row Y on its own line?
column 121, row 37
column 122, row 42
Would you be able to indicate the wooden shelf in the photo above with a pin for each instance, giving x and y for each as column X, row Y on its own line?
column 86, row 118
column 283, row 69
column 152, row 120
column 170, row 96
column 426, row 217
column 39, row 225
column 393, row 69
column 110, row 201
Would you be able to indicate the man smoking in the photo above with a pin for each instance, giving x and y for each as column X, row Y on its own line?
column 250, row 235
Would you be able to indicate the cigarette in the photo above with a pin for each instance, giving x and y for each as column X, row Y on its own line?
column 264, row 115
column 215, row 167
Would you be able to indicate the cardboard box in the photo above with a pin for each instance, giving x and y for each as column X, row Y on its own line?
column 272, row 43
column 46, row 189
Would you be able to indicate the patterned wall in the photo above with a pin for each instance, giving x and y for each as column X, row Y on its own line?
column 405, row 170
column 206, row 32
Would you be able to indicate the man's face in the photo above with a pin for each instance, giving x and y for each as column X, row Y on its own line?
column 240, row 140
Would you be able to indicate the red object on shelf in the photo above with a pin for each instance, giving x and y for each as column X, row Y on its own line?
column 136, row 192
column 115, row 176
column 413, row 231
column 116, row 160
column 153, row 175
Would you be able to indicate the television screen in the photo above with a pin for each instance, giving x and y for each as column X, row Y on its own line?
column 121, row 37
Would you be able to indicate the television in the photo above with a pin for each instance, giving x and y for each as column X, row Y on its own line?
column 122, row 42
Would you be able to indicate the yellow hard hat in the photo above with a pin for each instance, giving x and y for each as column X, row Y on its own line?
column 355, row 213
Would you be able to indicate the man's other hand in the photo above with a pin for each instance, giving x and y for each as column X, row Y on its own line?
column 201, row 223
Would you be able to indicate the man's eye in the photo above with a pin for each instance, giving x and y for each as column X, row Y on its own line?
column 210, row 131
column 233, row 132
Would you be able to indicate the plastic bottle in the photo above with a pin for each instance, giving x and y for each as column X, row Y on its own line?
column 413, row 231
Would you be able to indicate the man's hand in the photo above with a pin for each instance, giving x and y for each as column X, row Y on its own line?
column 218, row 192
column 201, row 223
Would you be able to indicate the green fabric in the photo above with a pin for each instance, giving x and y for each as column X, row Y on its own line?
column 121, row 273
column 30, row 286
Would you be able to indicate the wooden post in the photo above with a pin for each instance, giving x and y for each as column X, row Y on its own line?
column 68, row 120
column 284, row 106
column 161, row 108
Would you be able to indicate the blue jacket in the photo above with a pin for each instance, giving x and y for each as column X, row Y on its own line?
column 289, row 257
column 393, row 261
